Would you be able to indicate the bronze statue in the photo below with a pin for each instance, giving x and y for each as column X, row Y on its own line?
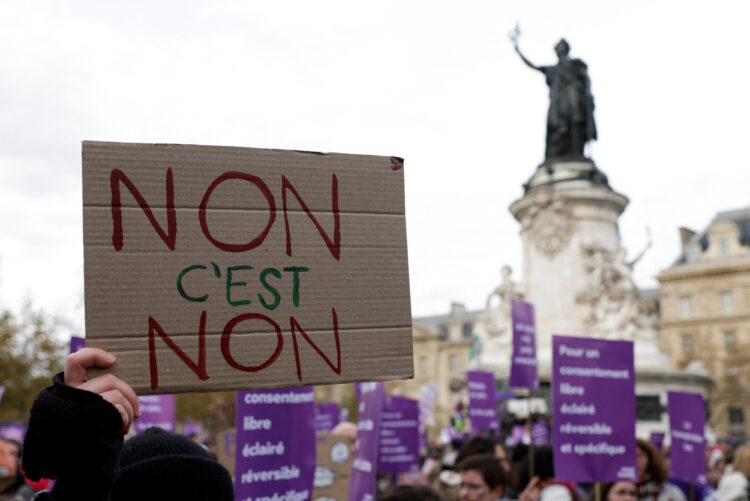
column 570, row 120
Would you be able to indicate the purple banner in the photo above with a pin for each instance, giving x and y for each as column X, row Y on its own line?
column 657, row 440
column 398, row 448
column 523, row 364
column 275, row 453
column 362, row 480
column 687, row 421
column 594, row 433
column 190, row 428
column 539, row 432
column 76, row 343
column 327, row 416
column 13, row 430
column 156, row 410
column 482, row 405
column 425, row 409
column 517, row 432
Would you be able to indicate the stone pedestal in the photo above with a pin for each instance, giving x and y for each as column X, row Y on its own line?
column 576, row 275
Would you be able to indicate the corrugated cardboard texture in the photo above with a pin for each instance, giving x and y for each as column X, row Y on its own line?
column 142, row 281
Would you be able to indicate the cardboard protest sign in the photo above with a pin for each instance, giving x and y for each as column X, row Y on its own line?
column 398, row 448
column 327, row 416
column 362, row 480
column 482, row 405
column 687, row 421
column 333, row 467
column 214, row 268
column 156, row 410
column 275, row 455
column 523, row 364
column 77, row 343
column 593, row 393
column 226, row 448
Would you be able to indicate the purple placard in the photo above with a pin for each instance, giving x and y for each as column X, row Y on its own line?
column 539, row 432
column 327, row 416
column 189, row 428
column 156, row 410
column 657, row 439
column 275, row 453
column 362, row 479
column 517, row 432
column 523, row 364
column 398, row 448
column 76, row 343
column 687, row 421
column 594, row 433
column 13, row 430
column 425, row 409
column 482, row 405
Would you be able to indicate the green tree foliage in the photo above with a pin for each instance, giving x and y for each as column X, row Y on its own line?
column 30, row 354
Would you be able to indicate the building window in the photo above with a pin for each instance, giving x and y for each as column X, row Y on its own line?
column 724, row 247
column 685, row 307
column 453, row 363
column 736, row 417
column 688, row 347
column 730, row 340
column 727, row 301
column 692, row 254
column 422, row 365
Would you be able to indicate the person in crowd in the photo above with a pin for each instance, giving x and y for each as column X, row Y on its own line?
column 734, row 485
column 76, row 434
column 617, row 491
column 543, row 486
column 13, row 486
column 475, row 445
column 652, row 475
column 411, row 493
column 482, row 478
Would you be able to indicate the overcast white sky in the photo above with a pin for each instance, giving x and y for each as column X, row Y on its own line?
column 435, row 82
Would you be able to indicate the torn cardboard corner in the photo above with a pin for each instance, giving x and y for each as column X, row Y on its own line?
column 215, row 268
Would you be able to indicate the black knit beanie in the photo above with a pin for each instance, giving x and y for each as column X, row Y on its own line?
column 159, row 465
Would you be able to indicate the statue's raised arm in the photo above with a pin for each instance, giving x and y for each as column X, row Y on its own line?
column 513, row 36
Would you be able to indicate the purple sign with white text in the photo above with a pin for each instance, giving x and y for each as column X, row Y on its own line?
column 482, row 405
column 156, row 410
column 76, row 343
column 593, row 394
column 398, row 449
column 362, row 480
column 687, row 420
column 539, row 432
column 327, row 416
column 517, row 433
column 657, row 439
column 275, row 452
column 523, row 364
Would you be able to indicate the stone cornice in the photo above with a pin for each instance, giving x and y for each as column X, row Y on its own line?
column 705, row 269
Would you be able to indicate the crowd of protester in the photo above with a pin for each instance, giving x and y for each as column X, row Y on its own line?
column 76, row 436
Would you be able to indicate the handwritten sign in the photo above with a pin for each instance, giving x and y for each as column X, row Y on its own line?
column 687, row 421
column 275, row 455
column 594, row 433
column 214, row 268
column 523, row 364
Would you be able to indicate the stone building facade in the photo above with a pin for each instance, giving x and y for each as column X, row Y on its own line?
column 705, row 315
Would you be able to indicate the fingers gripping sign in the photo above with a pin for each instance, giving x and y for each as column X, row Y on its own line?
column 109, row 387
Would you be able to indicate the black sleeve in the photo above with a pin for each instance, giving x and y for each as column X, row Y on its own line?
column 74, row 437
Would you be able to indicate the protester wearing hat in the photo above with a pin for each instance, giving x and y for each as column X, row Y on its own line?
column 76, row 436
